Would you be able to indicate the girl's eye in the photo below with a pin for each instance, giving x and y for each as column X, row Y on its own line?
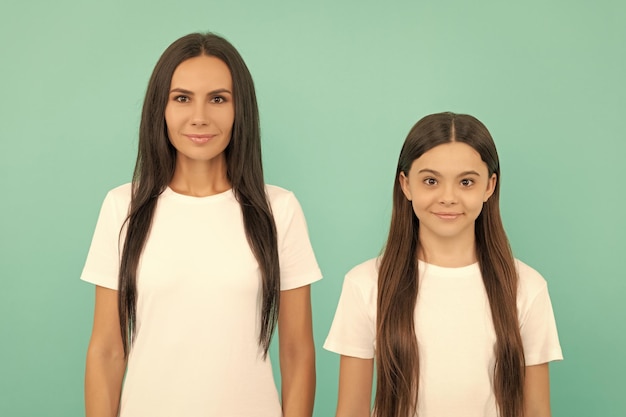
column 181, row 99
column 467, row 182
column 430, row 181
column 218, row 100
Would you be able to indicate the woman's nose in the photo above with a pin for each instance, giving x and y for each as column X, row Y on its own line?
column 200, row 116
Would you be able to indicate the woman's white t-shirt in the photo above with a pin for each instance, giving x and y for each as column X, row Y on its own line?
column 455, row 333
column 196, row 350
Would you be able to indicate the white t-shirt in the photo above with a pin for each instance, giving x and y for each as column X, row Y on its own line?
column 455, row 333
column 196, row 350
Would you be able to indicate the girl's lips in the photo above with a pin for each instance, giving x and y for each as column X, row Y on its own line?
column 447, row 216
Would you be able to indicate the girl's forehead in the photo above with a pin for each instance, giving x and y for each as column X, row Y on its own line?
column 450, row 157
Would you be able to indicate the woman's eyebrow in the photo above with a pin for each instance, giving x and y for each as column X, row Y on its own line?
column 437, row 173
column 181, row 90
column 190, row 93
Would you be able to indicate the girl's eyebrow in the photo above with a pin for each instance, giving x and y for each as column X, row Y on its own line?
column 190, row 93
column 432, row 171
column 465, row 173
column 437, row 173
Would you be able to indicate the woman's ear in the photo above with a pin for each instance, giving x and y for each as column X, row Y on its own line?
column 491, row 186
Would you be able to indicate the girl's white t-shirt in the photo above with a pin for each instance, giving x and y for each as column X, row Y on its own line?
column 455, row 333
column 196, row 350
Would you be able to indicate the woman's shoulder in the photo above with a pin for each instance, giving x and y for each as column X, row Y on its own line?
column 118, row 198
column 274, row 192
column 121, row 192
column 284, row 202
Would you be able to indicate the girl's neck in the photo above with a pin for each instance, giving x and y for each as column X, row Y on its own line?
column 448, row 253
column 199, row 179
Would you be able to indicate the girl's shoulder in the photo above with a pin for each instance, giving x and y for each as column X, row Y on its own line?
column 531, row 282
column 362, row 281
column 365, row 275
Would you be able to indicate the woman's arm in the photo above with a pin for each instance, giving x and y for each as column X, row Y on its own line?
column 537, row 391
column 297, row 352
column 105, row 358
column 355, row 387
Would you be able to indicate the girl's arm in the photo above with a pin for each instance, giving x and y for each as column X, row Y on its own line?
column 537, row 391
column 297, row 352
column 105, row 358
column 355, row 387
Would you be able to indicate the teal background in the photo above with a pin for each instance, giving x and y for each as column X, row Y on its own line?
column 340, row 83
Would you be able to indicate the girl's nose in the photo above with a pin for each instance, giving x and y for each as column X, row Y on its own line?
column 448, row 195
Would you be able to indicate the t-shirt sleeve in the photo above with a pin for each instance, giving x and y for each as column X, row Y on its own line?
column 298, row 266
column 353, row 330
column 538, row 330
column 103, row 260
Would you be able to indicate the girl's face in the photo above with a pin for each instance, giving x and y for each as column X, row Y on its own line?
column 447, row 186
column 200, row 111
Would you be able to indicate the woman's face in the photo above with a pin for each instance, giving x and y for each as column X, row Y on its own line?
column 200, row 110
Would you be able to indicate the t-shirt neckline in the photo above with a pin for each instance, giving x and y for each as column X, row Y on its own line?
column 169, row 193
column 452, row 272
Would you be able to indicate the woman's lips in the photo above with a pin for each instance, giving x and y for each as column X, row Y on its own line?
column 200, row 139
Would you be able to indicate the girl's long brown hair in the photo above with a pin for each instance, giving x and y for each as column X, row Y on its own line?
column 156, row 161
column 397, row 357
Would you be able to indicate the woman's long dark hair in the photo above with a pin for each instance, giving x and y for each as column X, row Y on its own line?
column 156, row 161
column 396, row 342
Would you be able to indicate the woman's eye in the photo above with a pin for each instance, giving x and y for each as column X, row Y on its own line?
column 218, row 100
column 467, row 182
column 430, row 181
column 181, row 99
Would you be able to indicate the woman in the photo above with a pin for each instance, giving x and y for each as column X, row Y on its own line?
column 193, row 259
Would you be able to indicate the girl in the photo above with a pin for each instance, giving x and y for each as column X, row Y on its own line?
column 193, row 259
column 456, row 325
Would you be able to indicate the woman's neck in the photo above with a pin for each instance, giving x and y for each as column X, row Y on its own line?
column 199, row 179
